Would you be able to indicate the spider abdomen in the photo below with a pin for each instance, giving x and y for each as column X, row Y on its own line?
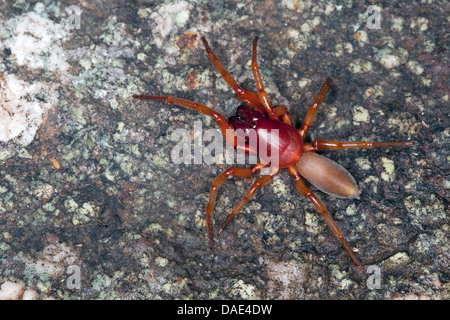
column 328, row 176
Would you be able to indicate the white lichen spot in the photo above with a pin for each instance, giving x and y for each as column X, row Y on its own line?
column 11, row 291
column 312, row 222
column 348, row 47
column 70, row 205
column 86, row 63
column 372, row 182
column 433, row 209
column 297, row 5
column 30, row 295
column 85, row 213
column 101, row 282
column 420, row 23
column 141, row 56
column 374, row 92
column 405, row 125
column 3, row 189
column 285, row 277
column 110, row 174
column 425, row 242
column 309, row 25
column 144, row 261
column 144, row 13
column 161, row 261
column 336, row 272
column 345, row 284
column 15, row 291
column 363, row 163
column 388, row 174
column 389, row 61
column 429, row 46
column 243, row 290
column 426, row 82
column 361, row 37
column 305, row 28
column 340, row 277
column 331, row 112
column 21, row 112
column 360, row 66
column 44, row 192
column 397, row 24
column 269, row 222
column 304, row 82
column 342, row 123
column 200, row 219
column 160, row 160
column 339, row 50
column 293, row 33
column 171, row 203
column 414, row 67
column 171, row 15
column 400, row 258
column 278, row 186
column 36, row 42
column 351, row 210
column 329, row 8
column 360, row 114
column 154, row 228
column 48, row 265
column 49, row 207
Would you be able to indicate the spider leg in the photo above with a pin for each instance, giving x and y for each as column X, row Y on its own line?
column 263, row 96
column 319, row 145
column 303, row 190
column 221, row 121
column 261, row 182
column 248, row 97
column 311, row 115
column 281, row 111
column 216, row 184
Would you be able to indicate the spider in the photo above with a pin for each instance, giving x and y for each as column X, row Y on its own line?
column 299, row 158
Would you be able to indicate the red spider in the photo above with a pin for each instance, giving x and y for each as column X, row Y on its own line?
column 298, row 157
